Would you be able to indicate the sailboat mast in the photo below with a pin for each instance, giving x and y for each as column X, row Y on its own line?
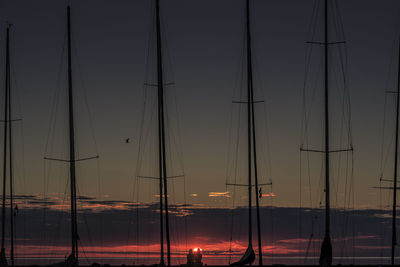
column 327, row 162
column 161, row 143
column 74, row 236
column 10, row 148
column 394, row 232
column 249, row 84
column 252, row 134
column 326, row 249
column 6, row 99
column 160, row 154
column 253, row 124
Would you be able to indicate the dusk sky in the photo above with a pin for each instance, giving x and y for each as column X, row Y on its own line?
column 204, row 40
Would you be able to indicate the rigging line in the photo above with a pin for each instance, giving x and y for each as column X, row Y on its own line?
column 236, row 158
column 304, row 130
column 313, row 89
column 307, row 67
column 50, row 133
column 179, row 147
column 238, row 84
column 272, row 224
column 336, row 182
column 85, row 98
column 54, row 108
column 300, row 201
column 22, row 165
column 382, row 149
column 140, row 144
column 344, row 63
column 311, row 34
column 387, row 85
column 171, row 135
column 383, row 162
column 180, row 153
column 174, row 234
column 100, row 197
column 141, row 127
column 59, row 217
column 313, row 22
column 353, row 205
column 308, row 61
column 305, row 115
column 82, row 250
column 343, row 59
column 306, row 134
column 309, row 48
column 231, row 114
column 266, row 144
column 81, row 247
column 343, row 118
column 320, row 185
column 388, row 151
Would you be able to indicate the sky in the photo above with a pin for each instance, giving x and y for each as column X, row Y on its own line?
column 204, row 44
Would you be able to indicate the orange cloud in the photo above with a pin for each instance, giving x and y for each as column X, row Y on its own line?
column 271, row 194
column 219, row 194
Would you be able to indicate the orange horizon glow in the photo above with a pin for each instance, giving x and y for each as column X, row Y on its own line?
column 221, row 249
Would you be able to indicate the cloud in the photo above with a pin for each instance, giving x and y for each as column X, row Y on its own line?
column 219, row 194
column 113, row 228
column 271, row 194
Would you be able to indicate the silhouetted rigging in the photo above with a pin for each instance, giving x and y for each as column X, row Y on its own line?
column 7, row 153
column 249, row 255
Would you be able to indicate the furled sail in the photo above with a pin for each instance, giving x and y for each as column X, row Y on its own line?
column 248, row 258
column 325, row 258
column 3, row 259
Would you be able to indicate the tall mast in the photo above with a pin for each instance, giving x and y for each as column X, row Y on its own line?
column 161, row 143
column 74, row 232
column 253, row 123
column 6, row 124
column 10, row 147
column 249, row 85
column 251, row 140
column 326, row 249
column 251, row 131
column 394, row 232
column 327, row 162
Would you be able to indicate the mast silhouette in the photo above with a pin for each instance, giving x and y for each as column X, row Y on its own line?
column 74, row 226
column 325, row 258
column 8, row 81
column 251, row 137
column 73, row 258
column 326, row 249
column 7, row 136
column 161, row 145
column 394, row 232
column 249, row 255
